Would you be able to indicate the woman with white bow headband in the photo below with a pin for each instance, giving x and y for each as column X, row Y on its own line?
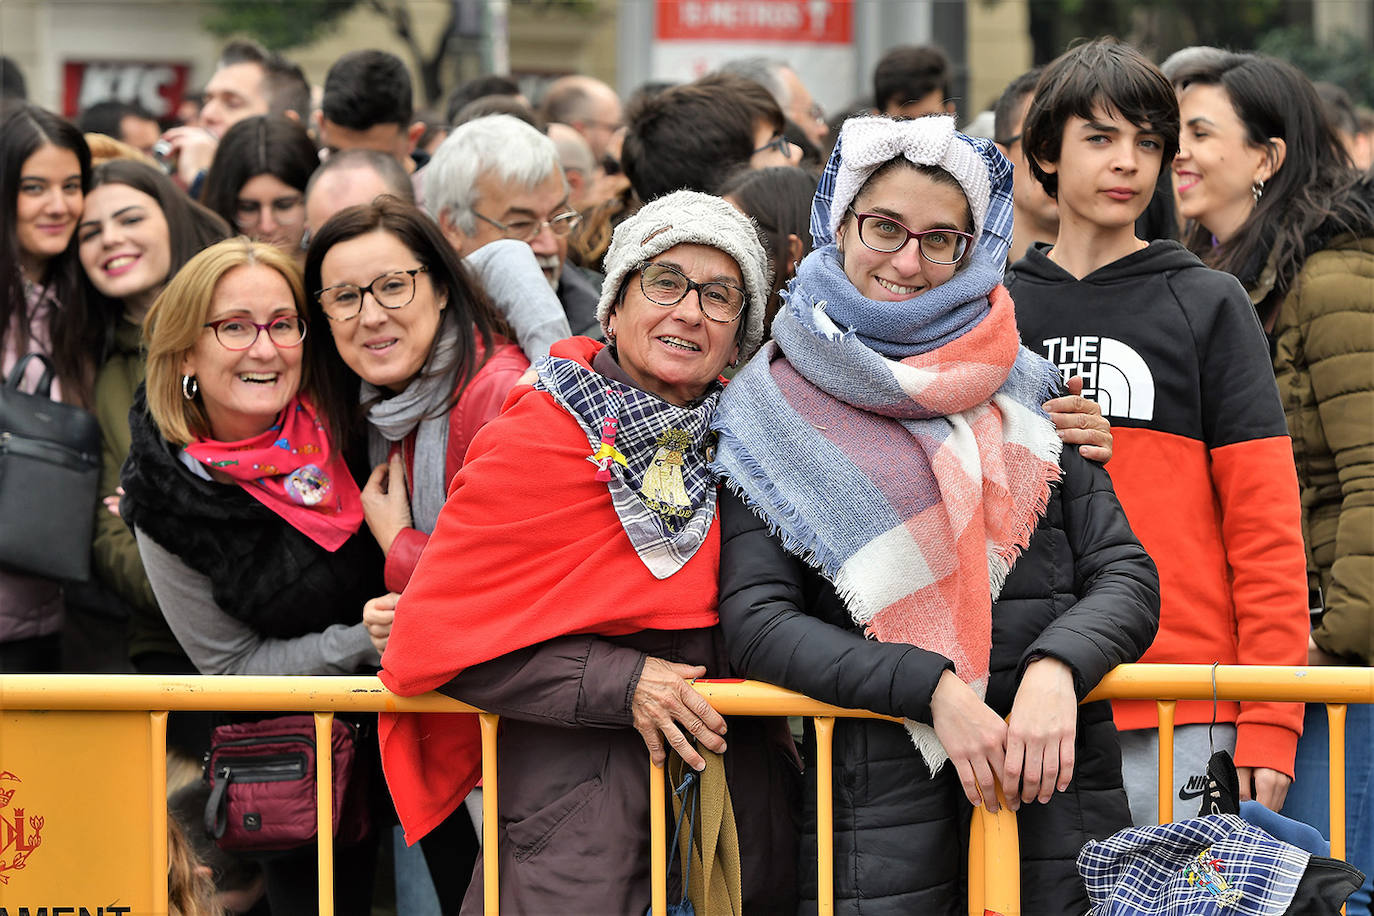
column 903, row 533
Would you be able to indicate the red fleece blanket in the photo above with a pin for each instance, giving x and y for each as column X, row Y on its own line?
column 527, row 548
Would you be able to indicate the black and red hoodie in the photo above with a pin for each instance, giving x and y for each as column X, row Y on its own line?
column 1202, row 463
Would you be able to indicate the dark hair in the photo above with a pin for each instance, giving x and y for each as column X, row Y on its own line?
column 337, row 384
column 1315, row 184
column 12, row 85
column 241, row 51
column 692, row 136
column 499, row 104
column 753, row 95
column 190, row 229
column 261, row 145
column 107, row 116
column 479, row 88
column 397, row 181
column 910, row 72
column 283, row 82
column 1100, row 74
column 25, row 129
column 812, row 158
column 1339, row 110
column 1005, row 109
column 778, row 199
column 366, row 88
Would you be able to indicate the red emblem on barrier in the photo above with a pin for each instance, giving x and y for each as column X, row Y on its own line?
column 19, row 834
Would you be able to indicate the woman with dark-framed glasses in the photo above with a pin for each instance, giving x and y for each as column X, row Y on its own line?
column 570, row 586
column 413, row 361
column 903, row 532
column 248, row 519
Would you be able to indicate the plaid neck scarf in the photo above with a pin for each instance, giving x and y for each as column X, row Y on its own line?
column 652, row 455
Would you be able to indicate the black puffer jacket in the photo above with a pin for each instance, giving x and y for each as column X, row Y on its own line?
column 1084, row 592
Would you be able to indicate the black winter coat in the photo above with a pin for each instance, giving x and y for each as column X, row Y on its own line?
column 1084, row 592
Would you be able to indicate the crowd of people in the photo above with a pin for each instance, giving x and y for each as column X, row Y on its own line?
column 556, row 407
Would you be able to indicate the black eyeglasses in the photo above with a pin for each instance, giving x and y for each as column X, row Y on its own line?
column 1007, row 141
column 882, row 233
column 779, row 143
column 237, row 333
column 392, row 290
column 667, row 286
column 525, row 230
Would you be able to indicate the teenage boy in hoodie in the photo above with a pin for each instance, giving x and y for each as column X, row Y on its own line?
column 1174, row 354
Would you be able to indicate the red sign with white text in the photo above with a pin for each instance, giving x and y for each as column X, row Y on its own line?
column 808, row 21
column 156, row 85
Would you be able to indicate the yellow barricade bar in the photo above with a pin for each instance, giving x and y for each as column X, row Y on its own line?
column 994, row 875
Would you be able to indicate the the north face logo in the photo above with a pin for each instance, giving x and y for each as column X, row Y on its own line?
column 1114, row 375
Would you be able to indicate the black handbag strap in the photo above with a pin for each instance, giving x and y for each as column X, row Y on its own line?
column 44, row 386
column 217, row 807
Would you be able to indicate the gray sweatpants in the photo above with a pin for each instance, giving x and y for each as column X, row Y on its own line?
column 1140, row 767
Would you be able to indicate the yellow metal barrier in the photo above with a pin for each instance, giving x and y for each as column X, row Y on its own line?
column 994, row 858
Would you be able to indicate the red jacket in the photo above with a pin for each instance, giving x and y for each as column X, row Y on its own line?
column 528, row 547
column 479, row 403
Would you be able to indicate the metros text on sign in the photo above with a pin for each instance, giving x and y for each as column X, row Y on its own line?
column 692, row 37
column 805, row 21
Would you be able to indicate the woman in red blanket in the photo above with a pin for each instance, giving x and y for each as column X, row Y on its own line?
column 570, row 586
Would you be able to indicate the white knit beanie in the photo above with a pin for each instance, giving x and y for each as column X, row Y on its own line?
column 690, row 217
column 867, row 143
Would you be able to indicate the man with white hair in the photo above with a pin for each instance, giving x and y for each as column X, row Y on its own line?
column 498, row 178
column 783, row 83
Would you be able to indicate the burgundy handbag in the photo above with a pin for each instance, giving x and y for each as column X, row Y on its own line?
column 262, row 784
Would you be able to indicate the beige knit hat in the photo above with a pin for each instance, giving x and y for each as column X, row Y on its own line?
column 690, row 217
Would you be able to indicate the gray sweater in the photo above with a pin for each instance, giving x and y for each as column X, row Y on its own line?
column 218, row 643
column 516, row 286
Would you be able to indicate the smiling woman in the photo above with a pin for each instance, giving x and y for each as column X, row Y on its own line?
column 587, row 514
column 247, row 517
column 136, row 232
column 902, row 533
column 44, row 169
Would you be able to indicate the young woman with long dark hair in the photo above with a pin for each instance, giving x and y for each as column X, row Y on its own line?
column 45, row 167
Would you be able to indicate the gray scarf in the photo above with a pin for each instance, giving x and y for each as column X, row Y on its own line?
column 389, row 420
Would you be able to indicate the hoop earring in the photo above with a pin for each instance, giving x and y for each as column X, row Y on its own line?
column 1257, row 189
column 189, row 387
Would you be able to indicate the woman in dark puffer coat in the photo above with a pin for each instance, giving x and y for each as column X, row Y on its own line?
column 900, row 481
